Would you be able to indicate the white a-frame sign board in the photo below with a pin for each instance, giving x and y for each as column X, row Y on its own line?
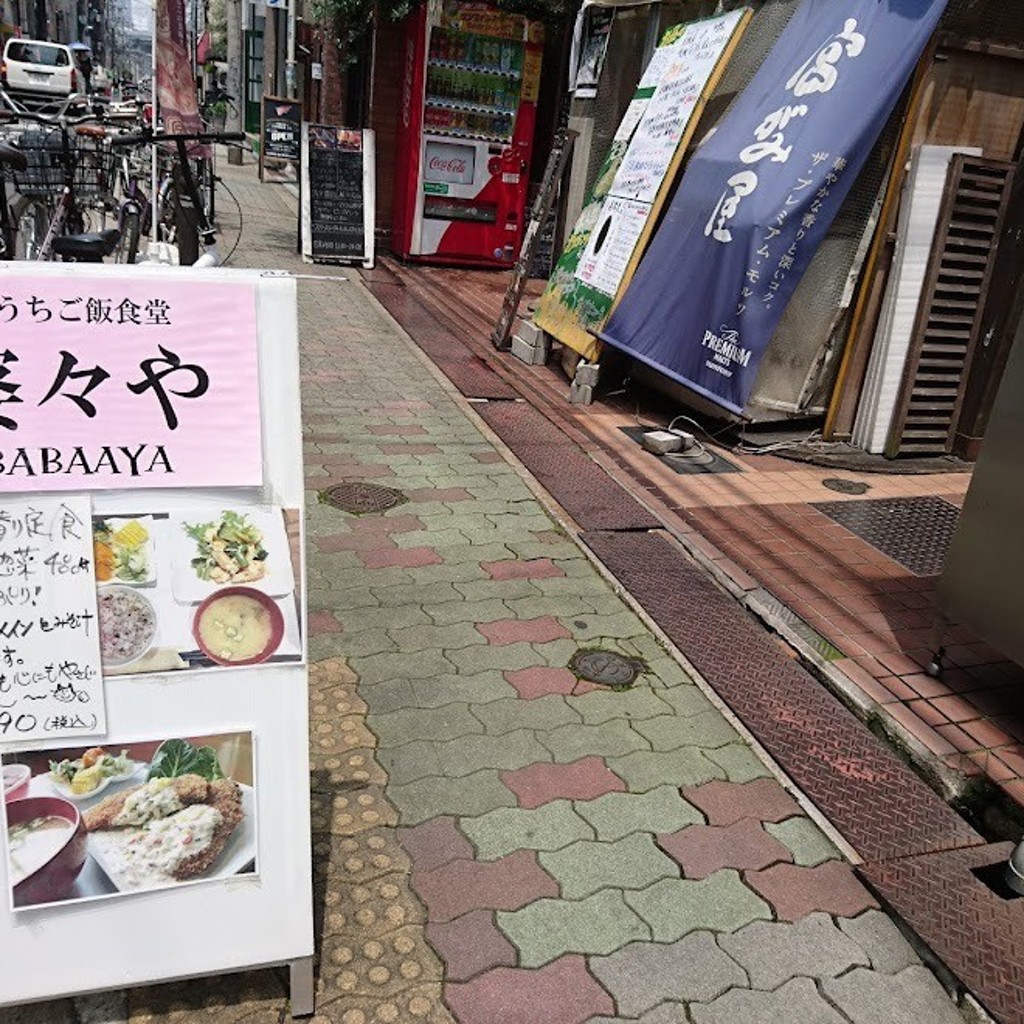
column 206, row 728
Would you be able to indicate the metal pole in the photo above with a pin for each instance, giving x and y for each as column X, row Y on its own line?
column 154, row 198
column 289, row 67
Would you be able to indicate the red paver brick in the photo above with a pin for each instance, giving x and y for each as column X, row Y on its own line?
column 956, row 709
column 488, row 458
column 407, row 558
column 562, row 992
column 397, row 429
column 531, row 683
column 435, row 842
column 795, row 892
column 987, row 734
column 409, row 449
column 439, row 494
column 455, row 888
column 584, row 779
column 531, row 631
column 514, row 569
column 724, row 803
column 324, row 438
column 470, row 945
column 700, row 850
column 334, row 542
column 386, row 524
column 334, row 461
column 323, row 622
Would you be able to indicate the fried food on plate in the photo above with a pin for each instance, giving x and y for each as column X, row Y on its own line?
column 138, row 805
column 226, row 801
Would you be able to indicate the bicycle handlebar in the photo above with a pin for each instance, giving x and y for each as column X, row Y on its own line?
column 151, row 138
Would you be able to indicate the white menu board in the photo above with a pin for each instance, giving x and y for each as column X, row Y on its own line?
column 241, row 729
column 51, row 684
column 679, row 73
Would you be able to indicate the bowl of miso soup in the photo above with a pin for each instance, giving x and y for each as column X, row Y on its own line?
column 238, row 626
column 46, row 848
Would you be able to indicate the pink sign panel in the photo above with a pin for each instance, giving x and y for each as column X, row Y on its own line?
column 127, row 384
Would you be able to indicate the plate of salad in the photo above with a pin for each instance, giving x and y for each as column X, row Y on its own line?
column 123, row 551
column 234, row 547
column 88, row 775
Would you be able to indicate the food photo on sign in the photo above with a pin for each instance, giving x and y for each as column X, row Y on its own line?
column 122, row 818
column 209, row 587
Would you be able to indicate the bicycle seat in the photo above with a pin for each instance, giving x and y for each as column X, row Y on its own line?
column 92, row 131
column 12, row 157
column 87, row 248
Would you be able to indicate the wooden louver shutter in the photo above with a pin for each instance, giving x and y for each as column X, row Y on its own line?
column 950, row 309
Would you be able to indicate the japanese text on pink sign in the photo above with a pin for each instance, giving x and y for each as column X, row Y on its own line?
column 107, row 384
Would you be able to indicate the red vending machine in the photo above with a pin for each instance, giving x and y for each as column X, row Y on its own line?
column 469, row 105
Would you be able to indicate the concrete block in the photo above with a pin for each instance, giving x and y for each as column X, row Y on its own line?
column 587, row 374
column 530, row 332
column 581, row 394
column 535, row 355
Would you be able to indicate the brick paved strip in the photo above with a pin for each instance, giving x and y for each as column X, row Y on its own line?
column 878, row 804
column 577, row 483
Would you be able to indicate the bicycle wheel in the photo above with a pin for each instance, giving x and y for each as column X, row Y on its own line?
column 33, row 221
column 128, row 248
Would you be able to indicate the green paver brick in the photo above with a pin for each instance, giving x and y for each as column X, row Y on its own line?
column 805, row 841
column 565, row 606
column 621, row 626
column 460, row 572
column 428, row 798
column 502, row 657
column 431, row 538
column 506, row 590
column 646, row 769
column 418, row 594
column 718, row 903
column 688, row 700
column 545, row 828
column 739, row 762
column 669, row 732
column 476, row 553
column 606, row 705
column 542, row 714
column 396, row 666
column 547, row 929
column 473, row 689
column 361, row 619
column 469, row 611
column 571, row 742
column 436, row 724
column 615, row 815
column 360, row 644
column 633, row 862
column 508, row 752
column 437, row 638
column 593, row 588
column 410, row 762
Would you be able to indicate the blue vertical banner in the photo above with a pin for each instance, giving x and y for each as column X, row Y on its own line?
column 760, row 193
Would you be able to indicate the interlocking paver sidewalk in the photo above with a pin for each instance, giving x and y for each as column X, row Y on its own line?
column 495, row 840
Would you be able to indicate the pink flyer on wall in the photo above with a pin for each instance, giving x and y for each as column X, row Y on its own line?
column 128, row 384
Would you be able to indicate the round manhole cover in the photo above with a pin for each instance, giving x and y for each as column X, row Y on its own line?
column 606, row 668
column 834, row 483
column 360, row 498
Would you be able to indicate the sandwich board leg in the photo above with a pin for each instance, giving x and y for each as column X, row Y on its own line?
column 301, row 986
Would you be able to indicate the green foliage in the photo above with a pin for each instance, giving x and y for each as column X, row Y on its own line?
column 175, row 758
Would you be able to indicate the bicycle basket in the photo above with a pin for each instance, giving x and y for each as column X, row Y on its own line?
column 91, row 160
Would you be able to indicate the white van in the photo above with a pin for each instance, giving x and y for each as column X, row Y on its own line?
column 36, row 69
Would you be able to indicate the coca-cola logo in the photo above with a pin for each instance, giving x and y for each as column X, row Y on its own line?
column 450, row 165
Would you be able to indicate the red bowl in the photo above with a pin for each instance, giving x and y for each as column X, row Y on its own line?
column 51, row 881
column 16, row 778
column 268, row 603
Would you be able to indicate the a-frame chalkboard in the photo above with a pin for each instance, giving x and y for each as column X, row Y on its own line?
column 338, row 194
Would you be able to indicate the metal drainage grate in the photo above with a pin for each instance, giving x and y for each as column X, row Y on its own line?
column 606, row 668
column 360, row 498
column 834, row 483
column 912, row 531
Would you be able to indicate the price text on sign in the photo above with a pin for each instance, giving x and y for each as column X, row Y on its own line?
column 51, row 684
column 107, row 384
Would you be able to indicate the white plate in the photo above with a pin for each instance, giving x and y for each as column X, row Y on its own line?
column 146, row 522
column 65, row 791
column 279, row 579
column 238, row 852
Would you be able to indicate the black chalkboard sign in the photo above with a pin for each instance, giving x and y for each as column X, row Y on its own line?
column 337, row 194
column 280, row 130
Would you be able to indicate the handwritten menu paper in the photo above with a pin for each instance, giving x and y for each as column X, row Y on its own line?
column 51, row 683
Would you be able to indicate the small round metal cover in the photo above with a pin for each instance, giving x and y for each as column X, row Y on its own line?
column 361, row 498
column 605, row 667
column 834, row 483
